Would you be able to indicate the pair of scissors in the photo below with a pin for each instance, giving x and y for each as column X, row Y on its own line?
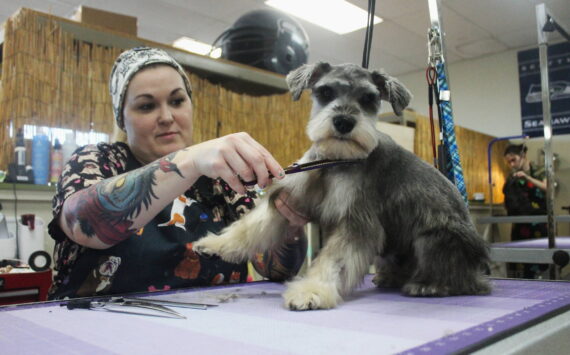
column 318, row 164
column 138, row 306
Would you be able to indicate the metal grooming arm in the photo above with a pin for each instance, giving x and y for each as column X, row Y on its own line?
column 546, row 23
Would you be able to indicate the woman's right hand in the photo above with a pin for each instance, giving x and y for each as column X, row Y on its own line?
column 234, row 157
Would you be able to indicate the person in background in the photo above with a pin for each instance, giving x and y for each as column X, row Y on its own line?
column 525, row 194
column 126, row 213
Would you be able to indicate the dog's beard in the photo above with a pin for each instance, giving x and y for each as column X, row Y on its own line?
column 330, row 144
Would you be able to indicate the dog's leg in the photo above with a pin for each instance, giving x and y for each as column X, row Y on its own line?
column 450, row 261
column 258, row 231
column 339, row 268
column 393, row 271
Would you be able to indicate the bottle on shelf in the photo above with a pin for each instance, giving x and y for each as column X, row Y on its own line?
column 20, row 154
column 40, row 158
column 56, row 162
column 69, row 146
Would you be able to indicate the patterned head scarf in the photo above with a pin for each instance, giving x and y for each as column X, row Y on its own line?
column 127, row 65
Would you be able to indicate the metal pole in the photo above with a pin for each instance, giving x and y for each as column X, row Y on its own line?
column 541, row 21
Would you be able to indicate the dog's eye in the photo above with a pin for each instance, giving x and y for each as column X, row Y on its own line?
column 367, row 99
column 325, row 94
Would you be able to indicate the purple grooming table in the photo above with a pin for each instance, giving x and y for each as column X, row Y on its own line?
column 529, row 250
column 251, row 319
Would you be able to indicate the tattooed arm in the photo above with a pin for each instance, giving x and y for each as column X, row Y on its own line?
column 111, row 210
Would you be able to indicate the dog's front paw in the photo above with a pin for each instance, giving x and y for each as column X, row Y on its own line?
column 223, row 246
column 208, row 245
column 303, row 295
column 418, row 289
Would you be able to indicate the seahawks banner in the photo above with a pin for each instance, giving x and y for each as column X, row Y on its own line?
column 530, row 92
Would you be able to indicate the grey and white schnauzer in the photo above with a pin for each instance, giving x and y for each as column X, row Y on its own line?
column 390, row 208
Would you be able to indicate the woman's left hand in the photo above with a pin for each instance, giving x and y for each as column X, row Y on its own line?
column 284, row 207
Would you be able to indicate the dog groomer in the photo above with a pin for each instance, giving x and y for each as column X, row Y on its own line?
column 525, row 195
column 126, row 213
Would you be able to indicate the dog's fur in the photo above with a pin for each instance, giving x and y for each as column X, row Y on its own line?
column 391, row 208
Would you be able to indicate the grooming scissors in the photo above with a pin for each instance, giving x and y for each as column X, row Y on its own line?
column 133, row 306
column 317, row 164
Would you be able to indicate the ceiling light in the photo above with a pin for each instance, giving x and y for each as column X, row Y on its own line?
column 338, row 16
column 192, row 45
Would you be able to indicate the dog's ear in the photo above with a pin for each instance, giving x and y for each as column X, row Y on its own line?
column 305, row 77
column 393, row 91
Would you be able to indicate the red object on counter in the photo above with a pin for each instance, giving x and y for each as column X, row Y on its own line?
column 24, row 287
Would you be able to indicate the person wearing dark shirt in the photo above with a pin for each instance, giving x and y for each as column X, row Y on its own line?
column 525, row 194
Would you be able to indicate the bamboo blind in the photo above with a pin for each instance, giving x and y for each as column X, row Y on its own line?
column 49, row 78
column 52, row 79
column 473, row 151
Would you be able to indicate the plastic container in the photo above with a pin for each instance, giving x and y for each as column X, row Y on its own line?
column 56, row 162
column 7, row 240
column 68, row 147
column 30, row 240
column 40, row 158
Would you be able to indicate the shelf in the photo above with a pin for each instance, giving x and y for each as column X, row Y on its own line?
column 26, row 192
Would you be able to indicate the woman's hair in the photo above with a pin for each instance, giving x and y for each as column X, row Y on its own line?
column 517, row 149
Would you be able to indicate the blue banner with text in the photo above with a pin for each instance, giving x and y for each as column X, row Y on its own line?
column 530, row 89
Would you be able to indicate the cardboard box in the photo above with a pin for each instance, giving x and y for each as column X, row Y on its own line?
column 113, row 21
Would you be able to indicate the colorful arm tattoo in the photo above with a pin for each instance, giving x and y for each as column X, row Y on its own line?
column 108, row 208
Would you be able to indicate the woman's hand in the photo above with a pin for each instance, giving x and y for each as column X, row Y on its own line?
column 284, row 207
column 236, row 158
column 538, row 183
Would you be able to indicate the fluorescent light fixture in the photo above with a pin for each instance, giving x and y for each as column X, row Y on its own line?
column 198, row 47
column 338, row 16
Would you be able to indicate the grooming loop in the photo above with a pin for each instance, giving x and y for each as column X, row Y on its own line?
column 432, row 92
column 453, row 169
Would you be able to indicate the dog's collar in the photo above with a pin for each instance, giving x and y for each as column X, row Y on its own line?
column 317, row 164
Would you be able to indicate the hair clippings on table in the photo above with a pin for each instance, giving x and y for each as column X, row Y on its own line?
column 137, row 306
column 317, row 164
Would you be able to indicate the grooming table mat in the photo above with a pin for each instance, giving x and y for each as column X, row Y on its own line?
column 251, row 319
column 528, row 250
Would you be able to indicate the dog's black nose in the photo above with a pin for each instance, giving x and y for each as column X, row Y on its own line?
column 343, row 123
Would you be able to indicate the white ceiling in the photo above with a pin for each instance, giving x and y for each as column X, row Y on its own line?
column 474, row 28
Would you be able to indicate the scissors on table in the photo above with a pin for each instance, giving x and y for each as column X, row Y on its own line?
column 151, row 307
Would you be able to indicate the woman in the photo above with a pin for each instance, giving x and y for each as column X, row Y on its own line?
column 524, row 195
column 116, row 226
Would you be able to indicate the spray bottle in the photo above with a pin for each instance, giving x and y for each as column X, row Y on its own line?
column 56, row 162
